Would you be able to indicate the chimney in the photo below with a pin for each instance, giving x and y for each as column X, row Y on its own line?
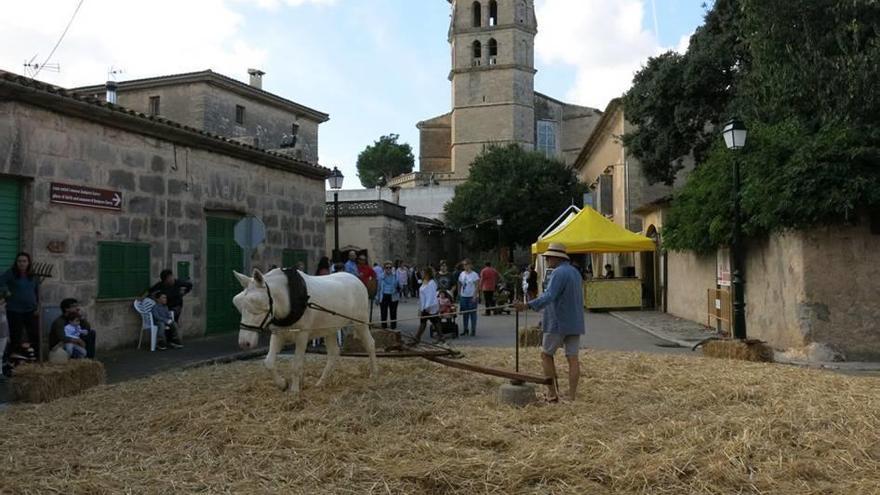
column 256, row 78
column 111, row 92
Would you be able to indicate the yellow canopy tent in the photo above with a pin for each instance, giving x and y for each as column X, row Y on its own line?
column 590, row 232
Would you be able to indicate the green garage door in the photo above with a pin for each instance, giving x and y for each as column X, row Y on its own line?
column 224, row 256
column 10, row 221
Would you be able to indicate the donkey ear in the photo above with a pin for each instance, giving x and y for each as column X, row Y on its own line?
column 242, row 279
column 258, row 277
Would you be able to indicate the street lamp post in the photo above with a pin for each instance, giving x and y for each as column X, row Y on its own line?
column 735, row 133
column 335, row 180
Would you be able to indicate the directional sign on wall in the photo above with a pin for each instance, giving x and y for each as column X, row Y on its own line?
column 88, row 197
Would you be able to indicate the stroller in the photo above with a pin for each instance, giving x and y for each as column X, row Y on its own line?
column 448, row 325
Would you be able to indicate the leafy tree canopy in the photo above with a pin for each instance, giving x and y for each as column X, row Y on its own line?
column 384, row 159
column 527, row 190
column 802, row 76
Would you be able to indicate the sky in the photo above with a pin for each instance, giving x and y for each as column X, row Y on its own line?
column 376, row 66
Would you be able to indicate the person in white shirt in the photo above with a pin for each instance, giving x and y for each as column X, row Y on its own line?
column 469, row 298
column 429, row 306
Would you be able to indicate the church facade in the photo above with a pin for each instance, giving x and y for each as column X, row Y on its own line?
column 494, row 101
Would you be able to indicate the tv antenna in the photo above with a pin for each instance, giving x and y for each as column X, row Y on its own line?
column 112, row 72
column 31, row 68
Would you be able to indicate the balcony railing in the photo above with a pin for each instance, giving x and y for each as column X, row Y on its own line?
column 374, row 208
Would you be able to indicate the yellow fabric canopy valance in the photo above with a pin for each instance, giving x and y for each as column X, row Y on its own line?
column 590, row 232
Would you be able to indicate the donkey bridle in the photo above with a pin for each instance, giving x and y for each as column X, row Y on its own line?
column 296, row 310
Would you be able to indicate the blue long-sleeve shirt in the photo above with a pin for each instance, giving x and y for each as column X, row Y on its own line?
column 562, row 302
column 24, row 297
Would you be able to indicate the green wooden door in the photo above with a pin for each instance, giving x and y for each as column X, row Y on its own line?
column 224, row 256
column 10, row 221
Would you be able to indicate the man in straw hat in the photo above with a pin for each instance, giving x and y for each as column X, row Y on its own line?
column 563, row 320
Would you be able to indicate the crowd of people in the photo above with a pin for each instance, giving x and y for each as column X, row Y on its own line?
column 71, row 335
column 437, row 290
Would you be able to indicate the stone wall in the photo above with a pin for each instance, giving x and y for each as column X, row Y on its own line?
column 384, row 238
column 841, row 307
column 269, row 124
column 690, row 277
column 817, row 286
column 184, row 103
column 167, row 188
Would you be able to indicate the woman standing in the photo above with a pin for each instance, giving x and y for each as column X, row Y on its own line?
column 388, row 295
column 21, row 308
column 469, row 298
column 429, row 306
column 323, row 266
column 402, row 273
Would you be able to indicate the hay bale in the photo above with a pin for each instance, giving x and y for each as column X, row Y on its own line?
column 531, row 337
column 47, row 382
column 383, row 338
column 744, row 350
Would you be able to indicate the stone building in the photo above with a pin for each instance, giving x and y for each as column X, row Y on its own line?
column 224, row 106
column 493, row 97
column 110, row 197
column 618, row 188
column 386, row 232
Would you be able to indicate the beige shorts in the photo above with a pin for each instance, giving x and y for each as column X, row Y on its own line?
column 553, row 341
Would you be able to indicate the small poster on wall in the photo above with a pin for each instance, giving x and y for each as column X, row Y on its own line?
column 722, row 265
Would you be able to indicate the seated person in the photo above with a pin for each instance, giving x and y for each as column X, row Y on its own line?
column 74, row 346
column 609, row 271
column 167, row 333
column 446, row 307
column 57, row 336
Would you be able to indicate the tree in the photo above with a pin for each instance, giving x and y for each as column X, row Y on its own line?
column 802, row 76
column 526, row 190
column 384, row 159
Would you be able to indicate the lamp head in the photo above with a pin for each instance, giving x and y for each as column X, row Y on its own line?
column 735, row 133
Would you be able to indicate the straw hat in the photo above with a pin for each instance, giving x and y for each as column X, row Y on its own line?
column 557, row 250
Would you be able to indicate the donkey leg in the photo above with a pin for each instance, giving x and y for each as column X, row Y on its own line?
column 332, row 358
column 369, row 344
column 299, row 358
column 275, row 345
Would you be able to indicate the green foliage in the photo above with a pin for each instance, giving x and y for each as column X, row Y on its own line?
column 525, row 189
column 384, row 159
column 802, row 75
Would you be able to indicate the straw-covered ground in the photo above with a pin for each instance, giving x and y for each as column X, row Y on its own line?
column 643, row 424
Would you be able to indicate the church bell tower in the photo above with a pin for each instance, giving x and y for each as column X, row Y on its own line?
column 493, row 77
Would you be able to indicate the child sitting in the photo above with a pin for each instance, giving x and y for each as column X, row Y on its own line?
column 164, row 321
column 73, row 343
column 445, row 301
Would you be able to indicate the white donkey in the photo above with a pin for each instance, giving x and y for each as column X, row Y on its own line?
column 280, row 299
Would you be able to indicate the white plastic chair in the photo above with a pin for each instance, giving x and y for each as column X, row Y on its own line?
column 146, row 324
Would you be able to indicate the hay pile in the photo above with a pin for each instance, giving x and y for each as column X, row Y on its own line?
column 748, row 350
column 530, row 337
column 643, row 424
column 50, row 381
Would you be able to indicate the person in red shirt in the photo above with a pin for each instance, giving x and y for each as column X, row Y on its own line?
column 488, row 281
column 367, row 275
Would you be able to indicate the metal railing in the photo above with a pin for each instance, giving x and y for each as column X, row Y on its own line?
column 374, row 208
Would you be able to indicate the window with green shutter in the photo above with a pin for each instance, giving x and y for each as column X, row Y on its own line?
column 123, row 269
